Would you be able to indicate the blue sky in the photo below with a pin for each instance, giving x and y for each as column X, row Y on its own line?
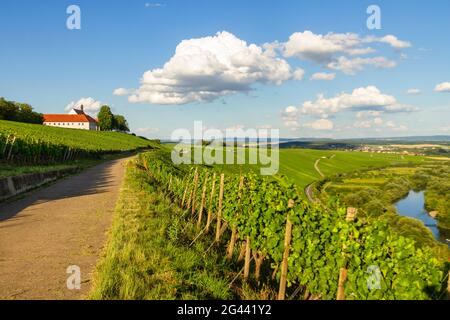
column 49, row 66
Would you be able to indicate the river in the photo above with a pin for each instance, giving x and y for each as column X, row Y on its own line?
column 414, row 206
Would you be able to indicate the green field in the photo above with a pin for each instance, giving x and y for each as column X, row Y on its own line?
column 298, row 164
column 75, row 138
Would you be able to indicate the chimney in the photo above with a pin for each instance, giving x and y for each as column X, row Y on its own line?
column 82, row 108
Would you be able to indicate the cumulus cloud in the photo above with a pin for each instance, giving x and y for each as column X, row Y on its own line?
column 90, row 105
column 351, row 66
column 413, row 92
column 392, row 125
column 322, row 48
column 122, row 92
column 370, row 113
column 321, row 124
column 394, row 42
column 205, row 69
column 378, row 124
column 290, row 117
column 314, row 47
column 367, row 98
column 442, row 87
column 323, row 76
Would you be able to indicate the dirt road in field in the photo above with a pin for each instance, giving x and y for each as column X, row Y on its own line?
column 63, row 225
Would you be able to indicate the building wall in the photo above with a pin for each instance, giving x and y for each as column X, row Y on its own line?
column 73, row 125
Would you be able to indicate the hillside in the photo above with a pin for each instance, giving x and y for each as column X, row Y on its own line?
column 82, row 139
column 298, row 164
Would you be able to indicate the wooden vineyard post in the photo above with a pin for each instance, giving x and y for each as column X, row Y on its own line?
column 230, row 248
column 11, row 148
column 202, row 205
column 247, row 258
column 284, row 263
column 242, row 252
column 341, row 284
column 213, row 189
column 194, row 192
column 219, row 211
column 351, row 216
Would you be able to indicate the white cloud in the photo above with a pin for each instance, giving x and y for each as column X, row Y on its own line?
column 413, row 92
column 442, row 87
column 394, row 42
column 378, row 121
column 299, row 74
column 309, row 46
column 351, row 66
column 122, row 92
column 154, row 5
column 378, row 125
column 321, row 48
column 207, row 68
column 90, row 105
column 361, row 99
column 290, row 117
column 363, row 124
column 321, row 124
column 370, row 113
column 323, row 76
column 147, row 131
column 395, row 127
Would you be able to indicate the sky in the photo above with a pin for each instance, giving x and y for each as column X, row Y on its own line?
column 307, row 68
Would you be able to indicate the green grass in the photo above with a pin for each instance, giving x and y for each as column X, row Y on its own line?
column 74, row 138
column 148, row 254
column 10, row 171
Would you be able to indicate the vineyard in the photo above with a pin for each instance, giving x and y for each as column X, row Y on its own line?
column 311, row 252
column 29, row 144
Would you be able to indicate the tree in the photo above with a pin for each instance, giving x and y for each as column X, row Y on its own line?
column 120, row 123
column 105, row 119
column 21, row 112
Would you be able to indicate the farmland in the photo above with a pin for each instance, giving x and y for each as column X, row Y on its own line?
column 29, row 144
column 298, row 164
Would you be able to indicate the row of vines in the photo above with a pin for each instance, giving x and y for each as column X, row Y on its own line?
column 27, row 144
column 28, row 150
column 328, row 255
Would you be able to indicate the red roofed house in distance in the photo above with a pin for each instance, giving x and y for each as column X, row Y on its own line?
column 76, row 119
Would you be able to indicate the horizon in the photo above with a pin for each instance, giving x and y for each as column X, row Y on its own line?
column 290, row 66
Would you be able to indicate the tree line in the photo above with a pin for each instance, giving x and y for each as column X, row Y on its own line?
column 107, row 121
column 20, row 112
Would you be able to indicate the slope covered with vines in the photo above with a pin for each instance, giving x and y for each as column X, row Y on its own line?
column 327, row 253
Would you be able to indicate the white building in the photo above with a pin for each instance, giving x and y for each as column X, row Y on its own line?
column 76, row 119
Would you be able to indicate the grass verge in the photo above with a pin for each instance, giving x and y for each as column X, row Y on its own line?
column 148, row 254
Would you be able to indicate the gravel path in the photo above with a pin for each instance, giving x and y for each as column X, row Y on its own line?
column 47, row 231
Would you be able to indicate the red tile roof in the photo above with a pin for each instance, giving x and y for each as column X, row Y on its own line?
column 68, row 118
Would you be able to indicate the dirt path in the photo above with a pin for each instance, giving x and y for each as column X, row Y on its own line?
column 316, row 166
column 53, row 228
